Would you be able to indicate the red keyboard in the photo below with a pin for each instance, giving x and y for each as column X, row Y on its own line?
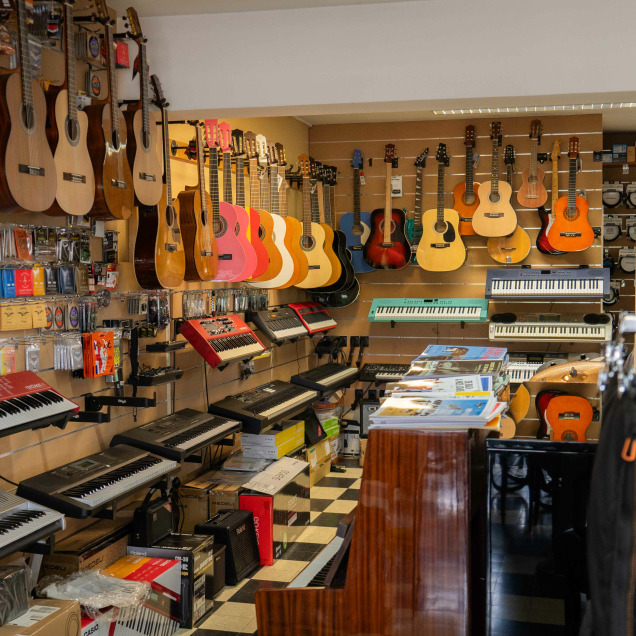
column 314, row 316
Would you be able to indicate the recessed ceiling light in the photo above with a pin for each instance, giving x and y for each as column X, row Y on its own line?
column 556, row 108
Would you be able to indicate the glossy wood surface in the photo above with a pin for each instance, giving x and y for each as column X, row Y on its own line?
column 512, row 249
column 319, row 271
column 432, row 258
column 466, row 210
column 292, row 238
column 398, row 255
column 494, row 217
column 571, row 233
column 409, row 569
column 532, row 194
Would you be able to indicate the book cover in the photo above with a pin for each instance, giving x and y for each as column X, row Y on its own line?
column 463, row 385
column 448, row 411
column 454, row 352
column 441, row 368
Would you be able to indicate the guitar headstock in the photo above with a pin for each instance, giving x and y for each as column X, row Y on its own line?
column 249, row 140
column 470, row 136
column 356, row 162
column 305, row 165
column 272, row 152
column 555, row 155
column 159, row 99
column 441, row 155
column 495, row 131
column 389, row 153
column 573, row 147
column 315, row 169
column 509, row 155
column 420, row 162
column 280, row 154
column 102, row 12
column 261, row 149
column 225, row 137
column 133, row 23
column 238, row 146
column 333, row 176
column 536, row 128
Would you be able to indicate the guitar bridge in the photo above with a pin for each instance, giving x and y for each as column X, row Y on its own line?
column 493, row 215
column 387, row 245
column 34, row 171
column 171, row 247
column 122, row 185
column 225, row 257
column 570, row 234
column 146, row 176
column 207, row 253
column 440, row 246
column 73, row 177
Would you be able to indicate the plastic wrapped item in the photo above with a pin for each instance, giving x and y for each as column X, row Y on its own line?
column 15, row 587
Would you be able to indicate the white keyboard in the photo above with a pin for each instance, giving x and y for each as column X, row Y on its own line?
column 550, row 332
column 427, row 313
column 579, row 287
column 240, row 352
column 195, row 441
column 336, row 377
column 28, row 409
column 319, row 325
column 308, row 574
column 282, row 407
column 522, row 371
column 292, row 332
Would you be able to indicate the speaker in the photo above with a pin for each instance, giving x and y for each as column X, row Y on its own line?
column 367, row 407
column 218, row 554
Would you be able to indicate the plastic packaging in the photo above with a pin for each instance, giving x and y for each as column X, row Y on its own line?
column 16, row 583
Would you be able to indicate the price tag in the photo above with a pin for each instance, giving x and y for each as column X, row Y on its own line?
column 396, row 186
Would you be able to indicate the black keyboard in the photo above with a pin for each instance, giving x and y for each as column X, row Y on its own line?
column 278, row 325
column 383, row 372
column 327, row 377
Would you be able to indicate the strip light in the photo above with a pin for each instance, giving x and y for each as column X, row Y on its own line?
column 557, row 108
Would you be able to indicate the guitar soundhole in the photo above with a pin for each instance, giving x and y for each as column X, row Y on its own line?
column 169, row 215
column 116, row 140
column 145, row 139
column 28, row 116
column 220, row 227
column 72, row 131
column 307, row 243
column 204, row 217
column 261, row 232
column 469, row 198
column 357, row 230
column 237, row 229
column 494, row 197
column 440, row 227
column 392, row 226
column 572, row 214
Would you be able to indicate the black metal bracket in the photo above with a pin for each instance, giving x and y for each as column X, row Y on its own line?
column 96, row 417
column 96, row 402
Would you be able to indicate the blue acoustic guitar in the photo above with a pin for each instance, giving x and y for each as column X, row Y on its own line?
column 414, row 225
column 355, row 225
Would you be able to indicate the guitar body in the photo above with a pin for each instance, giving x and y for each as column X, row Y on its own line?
column 414, row 235
column 242, row 233
column 512, row 249
column 356, row 238
column 232, row 258
column 440, row 251
column 569, row 416
column 532, row 194
column 465, row 209
column 319, row 266
column 75, row 193
column 22, row 147
column 342, row 298
column 541, row 402
column 330, row 252
column 347, row 275
column 543, row 244
column 288, row 273
column 114, row 194
column 260, row 251
column 571, row 233
column 494, row 216
column 396, row 256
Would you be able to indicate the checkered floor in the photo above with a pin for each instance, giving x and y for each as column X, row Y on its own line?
column 332, row 498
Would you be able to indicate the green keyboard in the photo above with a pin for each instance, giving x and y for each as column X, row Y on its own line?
column 429, row 310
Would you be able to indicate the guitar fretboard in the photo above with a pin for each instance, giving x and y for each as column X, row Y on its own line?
column 112, row 79
column 417, row 214
column 240, row 186
column 25, row 57
column 306, row 206
column 572, row 187
column 143, row 72
column 273, row 188
column 201, row 173
column 441, row 166
column 534, row 150
column 70, row 62
column 356, row 197
column 227, row 176
column 167, row 177
column 255, row 185
column 470, row 175
column 213, row 181
column 494, row 171
column 282, row 191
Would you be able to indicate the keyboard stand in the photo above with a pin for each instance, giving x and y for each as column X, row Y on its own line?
column 198, row 459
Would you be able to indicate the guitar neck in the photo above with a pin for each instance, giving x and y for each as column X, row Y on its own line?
column 273, row 189
column 213, row 163
column 417, row 213
column 227, row 177
column 534, row 150
column 263, row 179
column 509, row 174
column 555, row 182
column 306, row 206
column 440, row 190
column 387, row 204
column 240, row 187
column 71, row 85
column 470, row 169
column 356, row 197
column 326, row 203
column 167, row 176
column 282, row 191
column 112, row 79
column 25, row 58
column 316, row 203
column 572, row 184
column 200, row 169
column 494, row 171
column 332, row 206
column 255, row 184
column 143, row 81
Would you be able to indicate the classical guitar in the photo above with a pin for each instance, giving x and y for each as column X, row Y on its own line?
column 387, row 246
column 159, row 256
column 313, row 237
column 512, row 249
column 355, row 225
column 568, row 417
column 199, row 243
column 142, row 135
column 532, row 193
column 494, row 216
column 107, row 136
column 465, row 195
column 414, row 225
column 541, row 403
column 571, row 231
column 441, row 248
column 238, row 150
column 546, row 217
column 27, row 172
column 67, row 134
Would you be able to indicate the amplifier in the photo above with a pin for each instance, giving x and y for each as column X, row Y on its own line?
column 152, row 521
column 218, row 551
column 367, row 407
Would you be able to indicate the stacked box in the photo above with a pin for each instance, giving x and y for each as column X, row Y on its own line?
column 274, row 444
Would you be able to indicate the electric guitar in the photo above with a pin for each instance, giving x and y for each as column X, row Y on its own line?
column 387, row 247
column 114, row 195
column 142, row 135
column 202, row 259
column 313, row 237
column 494, row 216
column 441, row 248
column 465, row 195
column 27, row 171
column 532, row 193
column 414, row 225
column 355, row 225
column 260, row 253
column 67, row 134
column 546, row 216
column 512, row 249
column 571, row 231
column 160, row 262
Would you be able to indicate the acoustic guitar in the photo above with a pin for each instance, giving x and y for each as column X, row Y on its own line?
column 67, row 134
column 465, row 195
column 494, row 216
column 27, row 171
column 546, row 217
column 441, row 248
column 512, row 249
column 159, row 256
column 532, row 193
column 199, row 243
column 312, row 240
column 571, row 231
column 142, row 135
column 414, row 225
column 568, row 417
column 387, row 247
column 107, row 136
column 355, row 225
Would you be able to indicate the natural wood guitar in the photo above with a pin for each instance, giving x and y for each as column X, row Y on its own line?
column 546, row 216
column 27, row 171
column 441, row 248
column 465, row 195
column 495, row 216
column 532, row 193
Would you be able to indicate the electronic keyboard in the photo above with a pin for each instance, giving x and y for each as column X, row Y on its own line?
column 266, row 404
column 314, row 316
column 326, row 377
column 383, row 372
column 548, row 283
column 179, row 435
column 26, row 402
column 23, row 523
column 551, row 327
column 278, row 325
column 429, row 310
column 85, row 487
column 523, row 366
column 221, row 340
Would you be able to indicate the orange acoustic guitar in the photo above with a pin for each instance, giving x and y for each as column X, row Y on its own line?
column 532, row 193
column 568, row 417
column 465, row 197
column 571, row 231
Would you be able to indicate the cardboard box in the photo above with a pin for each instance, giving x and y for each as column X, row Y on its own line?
column 631, row 153
column 224, row 497
column 274, row 444
column 363, row 450
column 46, row 617
column 318, row 457
column 336, row 447
column 331, row 426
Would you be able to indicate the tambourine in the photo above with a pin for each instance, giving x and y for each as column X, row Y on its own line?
column 613, row 198
column 630, row 199
column 612, row 298
column 631, row 232
column 611, row 231
column 627, row 263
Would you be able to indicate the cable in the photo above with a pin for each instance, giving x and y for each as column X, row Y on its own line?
column 364, row 392
column 8, row 481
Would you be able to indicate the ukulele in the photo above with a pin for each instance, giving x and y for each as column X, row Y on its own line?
column 355, row 225
column 532, row 193
column 160, row 263
column 512, row 249
column 465, row 195
column 142, row 136
column 260, row 253
column 494, row 216
column 27, row 173
column 568, row 417
column 67, row 134
column 114, row 195
column 387, row 247
column 313, row 237
column 202, row 260
column 441, row 248
column 546, row 217
column 571, row 231
column 414, row 225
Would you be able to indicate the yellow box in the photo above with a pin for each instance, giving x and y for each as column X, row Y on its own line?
column 274, row 444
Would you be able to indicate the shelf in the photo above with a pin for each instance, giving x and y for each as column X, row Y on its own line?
column 619, row 163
